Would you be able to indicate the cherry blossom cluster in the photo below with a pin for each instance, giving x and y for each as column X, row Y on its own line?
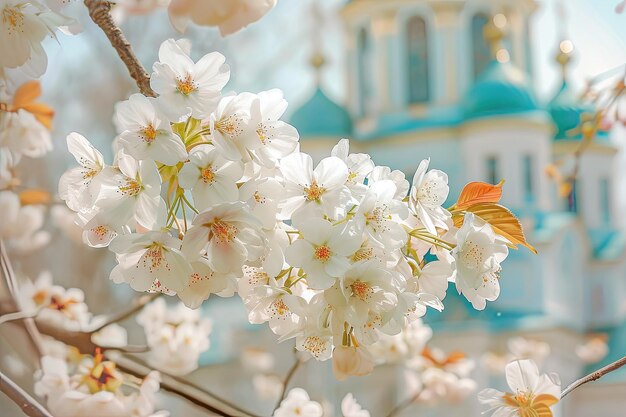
column 209, row 193
column 93, row 386
column 298, row 403
column 26, row 24
column 431, row 375
column 229, row 17
column 532, row 393
column 176, row 336
column 24, row 133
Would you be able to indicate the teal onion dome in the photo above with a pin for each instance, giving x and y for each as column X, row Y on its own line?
column 320, row 117
column 500, row 89
column 566, row 112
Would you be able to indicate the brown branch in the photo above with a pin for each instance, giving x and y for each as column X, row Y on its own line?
column 288, row 377
column 182, row 388
column 404, row 404
column 27, row 404
column 594, row 376
column 124, row 314
column 100, row 13
column 11, row 283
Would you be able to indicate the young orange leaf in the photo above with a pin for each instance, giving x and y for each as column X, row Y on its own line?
column 24, row 99
column 477, row 193
column 501, row 220
column 26, row 94
column 34, row 196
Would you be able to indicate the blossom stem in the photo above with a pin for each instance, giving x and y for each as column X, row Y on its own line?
column 100, row 13
column 594, row 376
column 27, row 404
column 11, row 282
column 404, row 404
column 18, row 315
column 288, row 377
column 123, row 315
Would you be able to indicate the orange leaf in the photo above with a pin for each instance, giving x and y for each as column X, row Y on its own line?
column 479, row 192
column 34, row 196
column 42, row 113
column 26, row 94
column 503, row 222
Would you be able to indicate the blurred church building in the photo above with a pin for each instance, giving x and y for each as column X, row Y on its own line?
column 452, row 80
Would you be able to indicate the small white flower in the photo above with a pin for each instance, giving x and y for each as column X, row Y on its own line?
column 594, row 350
column 186, row 87
column 75, row 185
column 524, row 348
column 21, row 225
column 278, row 139
column 211, row 178
column 430, row 190
column 228, row 234
column 154, row 259
column 323, row 251
column 132, row 191
column 146, row 133
column 233, row 126
column 360, row 165
column 267, row 387
column 262, row 196
column 478, row 255
column 322, row 187
column 378, row 216
column 22, row 134
column 298, row 403
column 362, row 298
column 203, row 282
column 381, row 173
column 435, row 275
column 177, row 336
column 25, row 24
column 531, row 393
column 352, row 361
column 350, row 408
column 228, row 17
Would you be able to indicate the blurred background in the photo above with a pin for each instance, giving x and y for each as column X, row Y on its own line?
column 488, row 89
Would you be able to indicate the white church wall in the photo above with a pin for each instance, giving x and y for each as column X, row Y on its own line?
column 508, row 140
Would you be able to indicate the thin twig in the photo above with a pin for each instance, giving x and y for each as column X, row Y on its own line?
column 288, row 377
column 183, row 388
column 27, row 404
column 123, row 315
column 404, row 404
column 11, row 282
column 100, row 13
column 594, row 376
column 19, row 315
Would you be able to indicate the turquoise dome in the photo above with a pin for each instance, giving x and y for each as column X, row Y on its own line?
column 320, row 116
column 566, row 111
column 500, row 89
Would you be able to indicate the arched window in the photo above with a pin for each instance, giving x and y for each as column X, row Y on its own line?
column 417, row 53
column 480, row 47
column 365, row 71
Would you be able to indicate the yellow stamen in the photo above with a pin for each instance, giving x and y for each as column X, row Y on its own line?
column 186, row 85
column 314, row 192
column 322, row 253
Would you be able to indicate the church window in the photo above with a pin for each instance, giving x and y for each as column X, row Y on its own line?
column 491, row 169
column 417, row 55
column 480, row 47
column 365, row 71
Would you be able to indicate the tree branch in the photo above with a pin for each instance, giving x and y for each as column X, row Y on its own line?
column 99, row 11
column 139, row 304
column 27, row 404
column 594, row 376
column 288, row 377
